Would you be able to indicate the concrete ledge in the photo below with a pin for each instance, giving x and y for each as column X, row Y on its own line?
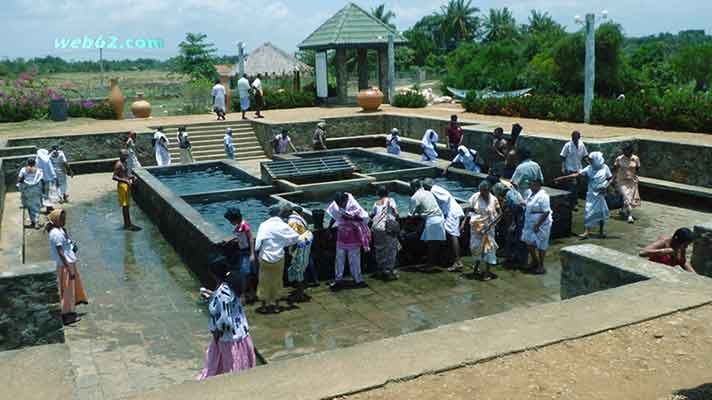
column 18, row 151
column 689, row 191
column 702, row 249
column 38, row 373
column 362, row 367
column 93, row 166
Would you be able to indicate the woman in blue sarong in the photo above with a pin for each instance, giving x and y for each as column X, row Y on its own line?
column 599, row 177
column 393, row 142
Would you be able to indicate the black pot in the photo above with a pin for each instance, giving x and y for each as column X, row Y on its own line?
column 58, row 110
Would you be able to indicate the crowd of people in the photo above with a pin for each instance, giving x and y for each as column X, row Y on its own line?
column 509, row 216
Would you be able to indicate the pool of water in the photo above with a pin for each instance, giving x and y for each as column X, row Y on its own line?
column 366, row 201
column 255, row 210
column 459, row 189
column 207, row 180
column 368, row 164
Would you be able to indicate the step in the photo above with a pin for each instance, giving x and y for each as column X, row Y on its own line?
column 222, row 153
column 687, row 190
column 201, row 131
column 222, row 157
column 203, row 124
column 201, row 140
column 220, row 147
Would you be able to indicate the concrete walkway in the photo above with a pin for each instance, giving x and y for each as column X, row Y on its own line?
column 533, row 127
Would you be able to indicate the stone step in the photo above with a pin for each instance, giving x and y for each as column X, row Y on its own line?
column 223, row 124
column 221, row 153
column 247, row 141
column 219, row 148
column 211, row 130
column 699, row 192
column 238, row 158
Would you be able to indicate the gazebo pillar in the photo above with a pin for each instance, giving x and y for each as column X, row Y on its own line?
column 383, row 81
column 341, row 75
column 362, row 69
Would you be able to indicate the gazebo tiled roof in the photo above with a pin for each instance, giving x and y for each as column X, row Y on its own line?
column 352, row 26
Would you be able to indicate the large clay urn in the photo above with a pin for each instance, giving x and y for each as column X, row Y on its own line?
column 116, row 99
column 370, row 99
column 141, row 108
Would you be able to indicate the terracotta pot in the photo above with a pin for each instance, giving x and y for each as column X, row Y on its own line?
column 116, row 99
column 370, row 99
column 141, row 108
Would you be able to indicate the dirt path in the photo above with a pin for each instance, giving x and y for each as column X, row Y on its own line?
column 666, row 359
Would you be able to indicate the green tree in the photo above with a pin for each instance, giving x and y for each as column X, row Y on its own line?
column 500, row 25
column 541, row 23
column 384, row 16
column 693, row 63
column 197, row 58
column 460, row 21
column 425, row 38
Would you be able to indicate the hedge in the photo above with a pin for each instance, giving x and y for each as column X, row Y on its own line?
column 678, row 110
column 409, row 99
column 280, row 99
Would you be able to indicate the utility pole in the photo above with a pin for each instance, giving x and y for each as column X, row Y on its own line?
column 590, row 70
column 240, row 59
column 101, row 67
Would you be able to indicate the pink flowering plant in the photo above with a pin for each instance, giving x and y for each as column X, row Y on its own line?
column 23, row 98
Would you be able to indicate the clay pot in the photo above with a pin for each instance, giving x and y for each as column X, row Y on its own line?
column 141, row 108
column 116, row 99
column 369, row 99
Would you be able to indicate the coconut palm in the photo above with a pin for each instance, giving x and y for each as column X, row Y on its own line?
column 541, row 22
column 460, row 20
column 500, row 25
column 384, row 16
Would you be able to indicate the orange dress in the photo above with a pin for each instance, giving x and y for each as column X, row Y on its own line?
column 627, row 179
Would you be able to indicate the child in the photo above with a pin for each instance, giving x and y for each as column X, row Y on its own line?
column 231, row 349
column 245, row 249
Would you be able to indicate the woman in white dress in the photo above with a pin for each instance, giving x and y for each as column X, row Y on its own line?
column 218, row 92
column 160, row 144
column 537, row 226
column 429, row 145
column 132, row 161
column 599, row 177
column 484, row 214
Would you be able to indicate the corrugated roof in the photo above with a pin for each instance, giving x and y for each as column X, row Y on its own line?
column 351, row 26
column 270, row 60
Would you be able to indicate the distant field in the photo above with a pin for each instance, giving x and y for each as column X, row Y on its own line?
column 152, row 82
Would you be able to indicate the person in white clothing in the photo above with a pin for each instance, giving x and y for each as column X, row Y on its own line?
column 243, row 89
column 62, row 169
column 219, row 94
column 573, row 154
column 453, row 213
column 29, row 184
column 132, row 161
column 283, row 142
column 484, row 215
column 229, row 146
column 186, row 149
column 259, row 96
column 160, row 147
column 49, row 175
column 273, row 236
column 537, row 227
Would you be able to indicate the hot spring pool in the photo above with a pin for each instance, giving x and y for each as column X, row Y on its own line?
column 366, row 201
column 254, row 210
column 368, row 163
column 207, row 180
column 458, row 189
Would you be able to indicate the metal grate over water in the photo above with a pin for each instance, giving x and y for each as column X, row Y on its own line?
column 311, row 167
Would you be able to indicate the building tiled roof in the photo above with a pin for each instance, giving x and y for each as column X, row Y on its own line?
column 352, row 26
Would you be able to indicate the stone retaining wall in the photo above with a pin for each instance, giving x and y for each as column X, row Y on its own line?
column 586, row 269
column 29, row 300
column 702, row 249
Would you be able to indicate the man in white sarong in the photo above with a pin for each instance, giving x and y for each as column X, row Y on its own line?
column 218, row 92
column 243, row 89
column 453, row 214
column 49, row 175
column 160, row 146
column 62, row 169
column 423, row 204
column 537, row 227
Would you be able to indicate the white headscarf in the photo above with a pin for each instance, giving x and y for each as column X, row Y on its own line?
column 429, row 139
column 467, row 153
column 597, row 160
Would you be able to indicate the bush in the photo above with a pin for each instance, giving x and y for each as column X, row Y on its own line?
column 675, row 110
column 22, row 99
column 409, row 99
column 91, row 109
column 280, row 99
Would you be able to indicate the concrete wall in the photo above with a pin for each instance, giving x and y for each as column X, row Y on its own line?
column 589, row 268
column 3, row 190
column 702, row 249
column 29, row 300
column 677, row 162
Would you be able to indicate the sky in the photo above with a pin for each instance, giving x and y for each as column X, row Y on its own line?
column 30, row 28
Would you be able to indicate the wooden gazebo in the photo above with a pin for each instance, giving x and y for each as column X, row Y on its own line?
column 354, row 28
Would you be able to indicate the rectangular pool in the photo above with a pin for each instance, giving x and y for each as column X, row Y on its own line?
column 255, row 210
column 199, row 179
column 365, row 200
column 458, row 188
column 367, row 162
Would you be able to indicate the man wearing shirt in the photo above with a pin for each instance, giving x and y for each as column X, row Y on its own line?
column 454, row 134
column 229, row 146
column 572, row 156
column 259, row 95
column 243, row 88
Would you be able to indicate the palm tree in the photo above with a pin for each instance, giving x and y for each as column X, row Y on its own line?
column 500, row 25
column 384, row 16
column 460, row 20
column 541, row 22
